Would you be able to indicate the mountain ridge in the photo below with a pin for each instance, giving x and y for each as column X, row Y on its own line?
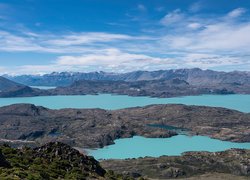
column 164, row 84
column 193, row 76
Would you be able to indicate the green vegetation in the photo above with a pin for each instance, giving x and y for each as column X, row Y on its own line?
column 52, row 161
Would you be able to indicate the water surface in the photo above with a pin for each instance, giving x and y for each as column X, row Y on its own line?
column 107, row 101
column 155, row 147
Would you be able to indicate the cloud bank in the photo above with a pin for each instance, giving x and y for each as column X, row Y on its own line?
column 180, row 40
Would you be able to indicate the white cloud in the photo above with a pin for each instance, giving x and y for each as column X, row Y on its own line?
column 236, row 12
column 85, row 38
column 205, row 61
column 10, row 42
column 110, row 60
column 216, row 38
column 113, row 58
column 67, row 43
column 192, row 41
column 172, row 17
column 204, row 35
column 194, row 25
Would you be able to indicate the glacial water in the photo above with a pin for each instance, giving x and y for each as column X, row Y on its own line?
column 155, row 147
column 107, row 101
column 140, row 146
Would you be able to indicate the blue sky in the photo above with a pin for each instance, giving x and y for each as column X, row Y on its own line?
column 42, row 36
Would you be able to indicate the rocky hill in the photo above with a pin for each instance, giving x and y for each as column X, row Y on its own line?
column 6, row 85
column 92, row 128
column 51, row 161
column 154, row 88
column 10, row 88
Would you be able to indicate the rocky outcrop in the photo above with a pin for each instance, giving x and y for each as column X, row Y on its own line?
column 54, row 160
column 92, row 128
column 63, row 152
column 234, row 162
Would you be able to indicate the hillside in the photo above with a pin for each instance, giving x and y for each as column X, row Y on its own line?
column 7, row 85
column 51, row 161
column 10, row 88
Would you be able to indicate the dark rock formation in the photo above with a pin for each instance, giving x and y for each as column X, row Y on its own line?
column 234, row 162
column 57, row 150
column 91, row 128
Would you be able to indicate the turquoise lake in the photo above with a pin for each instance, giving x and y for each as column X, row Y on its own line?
column 139, row 146
column 155, row 147
column 107, row 101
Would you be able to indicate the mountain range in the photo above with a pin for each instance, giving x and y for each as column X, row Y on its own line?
column 194, row 76
column 168, row 83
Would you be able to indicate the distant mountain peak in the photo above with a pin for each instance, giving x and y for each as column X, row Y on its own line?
column 192, row 76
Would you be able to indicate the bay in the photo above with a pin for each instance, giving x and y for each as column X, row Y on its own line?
column 155, row 147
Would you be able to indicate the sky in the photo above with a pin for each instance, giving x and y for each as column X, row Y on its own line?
column 44, row 36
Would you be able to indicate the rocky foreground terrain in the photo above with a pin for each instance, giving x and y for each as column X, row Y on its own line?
column 51, row 161
column 230, row 164
column 60, row 161
column 92, row 128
